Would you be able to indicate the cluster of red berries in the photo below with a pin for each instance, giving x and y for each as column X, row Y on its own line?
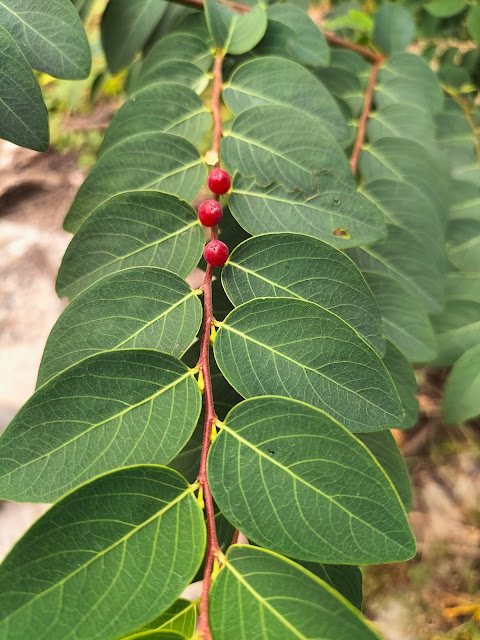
column 210, row 213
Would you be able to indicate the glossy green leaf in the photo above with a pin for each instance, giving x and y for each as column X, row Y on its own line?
column 146, row 161
column 394, row 28
column 50, row 35
column 140, row 307
column 463, row 244
column 292, row 265
column 163, row 107
column 406, row 78
column 126, row 26
column 179, row 618
column 295, row 348
column 473, row 22
column 445, row 8
column 276, row 144
column 282, row 82
column 404, row 258
column 457, row 329
column 179, row 71
column 132, row 229
column 291, row 603
column 293, row 35
column 405, row 320
column 113, row 409
column 107, row 557
column 404, row 378
column 461, row 400
column 23, row 115
column 344, row 578
column 338, row 206
column 234, row 32
column 384, row 448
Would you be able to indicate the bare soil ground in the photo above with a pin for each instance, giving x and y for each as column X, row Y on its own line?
column 433, row 597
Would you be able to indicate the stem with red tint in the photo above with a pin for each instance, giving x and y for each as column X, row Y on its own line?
column 203, row 630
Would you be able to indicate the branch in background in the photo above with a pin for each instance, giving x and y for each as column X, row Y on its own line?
column 203, row 630
column 362, row 124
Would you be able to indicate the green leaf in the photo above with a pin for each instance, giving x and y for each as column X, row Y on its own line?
column 282, row 82
column 23, row 115
column 291, row 478
column 126, row 26
column 156, row 635
column 293, row 35
column 406, row 78
column 457, row 329
column 113, row 409
column 276, row 144
column 163, row 107
column 463, row 243
column 394, row 28
column 384, row 448
column 233, row 32
column 338, row 207
column 463, row 286
column 465, row 200
column 146, row 161
column 357, row 20
column 179, row 71
column 295, row 348
column 50, row 35
column 292, row 265
column 179, row 618
column 402, row 121
column 461, row 399
column 345, row 579
column 132, row 229
column 405, row 320
column 108, row 557
column 404, row 258
column 455, row 137
column 445, row 8
column 473, row 22
column 141, row 307
column 404, row 378
column 291, row 603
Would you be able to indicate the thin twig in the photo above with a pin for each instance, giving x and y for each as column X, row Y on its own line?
column 362, row 124
column 203, row 630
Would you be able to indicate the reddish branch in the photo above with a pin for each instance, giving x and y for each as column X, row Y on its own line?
column 204, row 365
column 362, row 124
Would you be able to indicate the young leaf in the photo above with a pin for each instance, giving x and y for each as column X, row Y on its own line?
column 179, row 618
column 108, row 557
column 126, row 26
column 162, row 107
column 293, row 265
column 283, row 346
column 132, row 229
column 291, row 603
column 296, row 481
column 276, row 144
column 50, row 34
column 113, row 409
column 344, row 578
column 384, row 448
column 23, row 115
column 272, row 208
column 457, row 329
column 233, row 32
column 282, row 82
column 141, row 307
column 394, row 28
column 292, row 34
column 461, row 400
column 147, row 161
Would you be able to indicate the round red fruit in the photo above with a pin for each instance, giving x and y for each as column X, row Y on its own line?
column 210, row 213
column 216, row 253
column 218, row 181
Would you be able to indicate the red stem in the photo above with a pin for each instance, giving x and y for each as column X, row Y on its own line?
column 362, row 124
column 203, row 630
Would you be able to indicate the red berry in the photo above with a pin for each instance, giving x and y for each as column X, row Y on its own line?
column 218, row 181
column 216, row 253
column 210, row 213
